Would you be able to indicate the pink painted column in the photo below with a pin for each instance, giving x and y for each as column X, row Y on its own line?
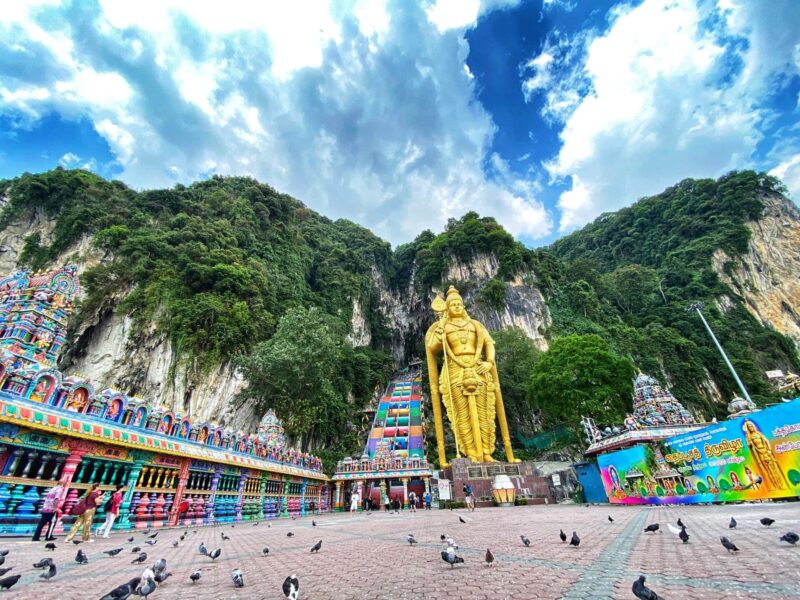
column 183, row 478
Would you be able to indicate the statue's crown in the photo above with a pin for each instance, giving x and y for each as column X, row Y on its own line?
column 452, row 294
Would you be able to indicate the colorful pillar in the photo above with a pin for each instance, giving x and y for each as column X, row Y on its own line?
column 77, row 450
column 183, row 477
column 213, row 496
column 261, row 493
column 285, row 497
column 139, row 458
column 337, row 496
column 303, row 497
column 240, row 498
column 405, row 491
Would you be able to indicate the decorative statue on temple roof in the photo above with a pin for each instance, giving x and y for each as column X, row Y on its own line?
column 270, row 430
column 653, row 405
column 467, row 384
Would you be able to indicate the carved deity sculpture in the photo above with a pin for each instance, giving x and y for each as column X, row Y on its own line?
column 467, row 384
column 761, row 452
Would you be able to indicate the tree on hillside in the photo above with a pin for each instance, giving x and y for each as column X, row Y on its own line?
column 581, row 376
column 516, row 355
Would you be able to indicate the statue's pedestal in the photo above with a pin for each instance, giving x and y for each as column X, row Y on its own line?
column 480, row 476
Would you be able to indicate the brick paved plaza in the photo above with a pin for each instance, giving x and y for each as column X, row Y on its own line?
column 366, row 556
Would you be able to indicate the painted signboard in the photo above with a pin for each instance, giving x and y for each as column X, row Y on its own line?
column 753, row 457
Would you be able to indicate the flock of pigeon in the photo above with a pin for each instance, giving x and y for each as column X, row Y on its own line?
column 152, row 576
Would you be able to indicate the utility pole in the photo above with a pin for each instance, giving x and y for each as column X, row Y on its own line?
column 697, row 306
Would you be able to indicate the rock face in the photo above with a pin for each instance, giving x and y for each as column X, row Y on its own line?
column 767, row 277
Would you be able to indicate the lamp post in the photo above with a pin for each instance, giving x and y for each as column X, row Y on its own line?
column 696, row 306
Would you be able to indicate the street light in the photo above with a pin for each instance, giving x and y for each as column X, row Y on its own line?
column 697, row 306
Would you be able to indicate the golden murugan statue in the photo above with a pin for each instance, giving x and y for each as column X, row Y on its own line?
column 765, row 460
column 467, row 384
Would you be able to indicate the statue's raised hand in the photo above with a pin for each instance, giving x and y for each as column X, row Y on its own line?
column 484, row 368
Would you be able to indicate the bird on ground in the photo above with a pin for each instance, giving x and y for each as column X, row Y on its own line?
column 6, row 583
column 264, row 551
column 449, row 556
column 652, row 528
column 153, row 535
column 732, row 524
column 575, row 541
column 255, row 524
column 291, row 587
column 151, row 542
column 452, row 543
column 81, row 558
column 50, row 546
column 5, row 570
column 562, row 535
column 147, row 574
column 610, row 520
column 766, row 521
column 2, row 559
column 124, row 591
column 49, row 573
column 135, row 549
column 4, row 552
column 130, row 539
column 316, row 547
column 237, row 578
column 76, row 542
column 489, row 558
column 160, row 565
column 175, row 544
column 195, row 577
column 460, row 518
column 443, row 537
column 313, row 523
column 290, row 534
column 183, row 537
column 214, row 554
column 43, row 564
column 113, row 552
column 161, row 576
column 684, row 536
column 140, row 559
column 729, row 545
column 790, row 537
column 146, row 531
column 225, row 538
column 411, row 539
column 146, row 588
column 641, row 591
column 525, row 541
column 203, row 549
column 680, row 523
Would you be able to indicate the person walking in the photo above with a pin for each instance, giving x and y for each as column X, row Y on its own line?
column 412, row 502
column 470, row 502
column 49, row 508
column 354, row 502
column 84, row 510
column 112, row 510
column 427, row 499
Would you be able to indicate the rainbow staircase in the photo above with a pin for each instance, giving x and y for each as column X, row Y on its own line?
column 398, row 421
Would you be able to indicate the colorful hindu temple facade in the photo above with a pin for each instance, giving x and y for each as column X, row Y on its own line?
column 177, row 471
column 393, row 463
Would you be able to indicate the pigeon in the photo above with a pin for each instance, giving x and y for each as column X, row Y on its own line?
column 610, row 520
column 50, row 546
column 160, row 565
column 652, row 528
column 291, row 587
column 729, row 545
column 140, row 559
column 443, row 537
column 146, row 588
column 449, row 556
column 684, row 536
column 203, row 549
column 265, row 551
column 6, row 583
column 290, row 534
column 3, row 552
column 214, row 554
column 81, row 558
column 183, row 537
column 237, row 578
column 525, row 541
column 562, row 535
column 195, row 577
column 411, row 539
column 175, row 544
column 151, row 542
column 130, row 539
column 790, row 537
column 146, row 531
column 49, row 573
column 489, row 557
column 115, row 551
column 161, row 576
column 460, row 518
column 43, row 564
column 452, row 543
column 255, row 524
column 316, row 547
column 76, row 542
column 124, row 591
column 732, row 524
column 575, row 541
column 135, row 549
column 680, row 523
column 225, row 538
column 766, row 521
column 641, row 591
column 313, row 523
column 2, row 559
column 153, row 535
column 5, row 570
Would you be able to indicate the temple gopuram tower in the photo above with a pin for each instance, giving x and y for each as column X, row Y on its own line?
column 653, row 405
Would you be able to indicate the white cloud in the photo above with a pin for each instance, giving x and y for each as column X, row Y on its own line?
column 789, row 172
column 69, row 160
column 367, row 114
column 668, row 95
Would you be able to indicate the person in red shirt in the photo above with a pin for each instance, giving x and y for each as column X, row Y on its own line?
column 112, row 511
column 84, row 510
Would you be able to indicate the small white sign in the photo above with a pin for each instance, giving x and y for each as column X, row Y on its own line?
column 556, row 479
column 444, row 489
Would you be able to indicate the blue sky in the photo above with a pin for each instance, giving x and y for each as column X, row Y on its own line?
column 399, row 115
